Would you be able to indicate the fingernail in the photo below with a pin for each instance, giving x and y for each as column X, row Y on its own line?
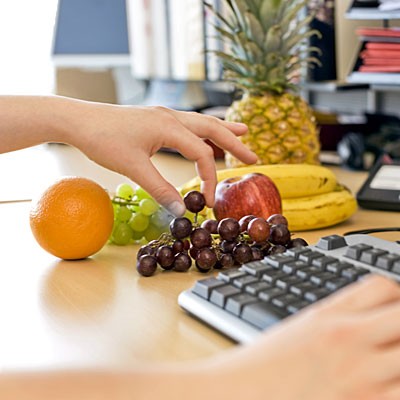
column 238, row 124
column 176, row 208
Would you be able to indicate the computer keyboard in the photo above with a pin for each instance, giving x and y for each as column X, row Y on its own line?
column 242, row 302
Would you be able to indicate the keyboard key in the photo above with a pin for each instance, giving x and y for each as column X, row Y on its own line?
column 277, row 260
column 309, row 257
column 270, row 293
column 386, row 261
column 255, row 268
column 316, row 294
column 320, row 279
column 293, row 266
column 244, row 280
column 204, row 287
column 236, row 303
column 336, row 283
column 230, row 274
column 296, row 251
column 305, row 273
column 338, row 267
column 220, row 294
column 286, row 281
column 284, row 300
column 396, row 267
column 354, row 252
column 256, row 287
column 272, row 275
column 331, row 242
column 370, row 256
column 301, row 288
column 261, row 315
column 323, row 262
column 354, row 273
column 297, row 306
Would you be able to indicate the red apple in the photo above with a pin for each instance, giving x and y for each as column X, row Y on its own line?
column 251, row 194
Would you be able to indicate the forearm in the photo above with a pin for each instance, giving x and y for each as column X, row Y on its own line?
column 30, row 120
column 153, row 383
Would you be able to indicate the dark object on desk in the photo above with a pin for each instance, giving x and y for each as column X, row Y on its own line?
column 382, row 137
column 381, row 191
column 351, row 151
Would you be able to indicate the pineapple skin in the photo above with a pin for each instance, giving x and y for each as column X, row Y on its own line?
column 282, row 129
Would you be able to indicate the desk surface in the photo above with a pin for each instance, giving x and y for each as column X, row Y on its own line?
column 100, row 312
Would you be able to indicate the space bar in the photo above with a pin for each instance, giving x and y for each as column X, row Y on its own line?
column 261, row 315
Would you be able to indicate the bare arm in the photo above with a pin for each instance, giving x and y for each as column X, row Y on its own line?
column 122, row 138
column 345, row 348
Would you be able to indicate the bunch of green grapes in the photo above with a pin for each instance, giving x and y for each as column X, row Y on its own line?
column 137, row 216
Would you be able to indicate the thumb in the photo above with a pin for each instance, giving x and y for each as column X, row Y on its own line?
column 147, row 176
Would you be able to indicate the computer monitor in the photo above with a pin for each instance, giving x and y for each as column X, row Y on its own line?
column 91, row 33
column 162, row 42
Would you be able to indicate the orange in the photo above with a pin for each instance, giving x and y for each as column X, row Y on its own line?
column 73, row 218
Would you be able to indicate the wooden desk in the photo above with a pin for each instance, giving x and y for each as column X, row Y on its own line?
column 100, row 312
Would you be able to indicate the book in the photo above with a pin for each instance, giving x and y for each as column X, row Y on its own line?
column 380, row 61
column 378, row 32
column 382, row 46
column 384, row 54
column 379, row 68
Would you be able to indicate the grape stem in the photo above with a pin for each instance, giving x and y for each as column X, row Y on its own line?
column 124, row 202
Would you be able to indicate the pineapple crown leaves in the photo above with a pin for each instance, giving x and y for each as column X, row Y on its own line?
column 267, row 43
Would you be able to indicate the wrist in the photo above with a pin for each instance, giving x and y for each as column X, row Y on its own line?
column 65, row 120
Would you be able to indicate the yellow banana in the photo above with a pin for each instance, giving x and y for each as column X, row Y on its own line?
column 292, row 180
column 319, row 211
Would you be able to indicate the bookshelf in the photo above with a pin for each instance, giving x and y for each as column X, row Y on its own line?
column 372, row 13
column 369, row 66
column 354, row 94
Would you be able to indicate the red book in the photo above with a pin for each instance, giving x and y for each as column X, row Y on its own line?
column 382, row 46
column 381, row 61
column 385, row 54
column 379, row 68
column 381, row 32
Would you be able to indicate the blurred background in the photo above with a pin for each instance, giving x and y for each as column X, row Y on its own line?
column 26, row 34
column 157, row 52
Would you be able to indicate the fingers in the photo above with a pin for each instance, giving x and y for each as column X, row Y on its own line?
column 148, row 177
column 222, row 133
column 383, row 324
column 371, row 292
column 391, row 392
column 193, row 148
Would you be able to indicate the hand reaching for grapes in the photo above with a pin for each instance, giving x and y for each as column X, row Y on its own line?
column 123, row 138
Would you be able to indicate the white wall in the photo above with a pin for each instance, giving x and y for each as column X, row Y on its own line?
column 26, row 34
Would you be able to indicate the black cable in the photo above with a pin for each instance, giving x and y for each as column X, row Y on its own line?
column 373, row 230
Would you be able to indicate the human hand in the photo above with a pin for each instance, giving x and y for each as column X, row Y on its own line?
column 123, row 138
column 345, row 347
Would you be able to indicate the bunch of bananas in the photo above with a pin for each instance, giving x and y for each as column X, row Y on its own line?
column 311, row 196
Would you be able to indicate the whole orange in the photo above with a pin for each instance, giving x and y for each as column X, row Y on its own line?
column 73, row 218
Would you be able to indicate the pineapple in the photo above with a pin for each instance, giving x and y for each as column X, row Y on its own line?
column 267, row 50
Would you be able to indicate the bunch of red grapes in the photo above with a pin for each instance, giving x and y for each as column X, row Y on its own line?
column 215, row 244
